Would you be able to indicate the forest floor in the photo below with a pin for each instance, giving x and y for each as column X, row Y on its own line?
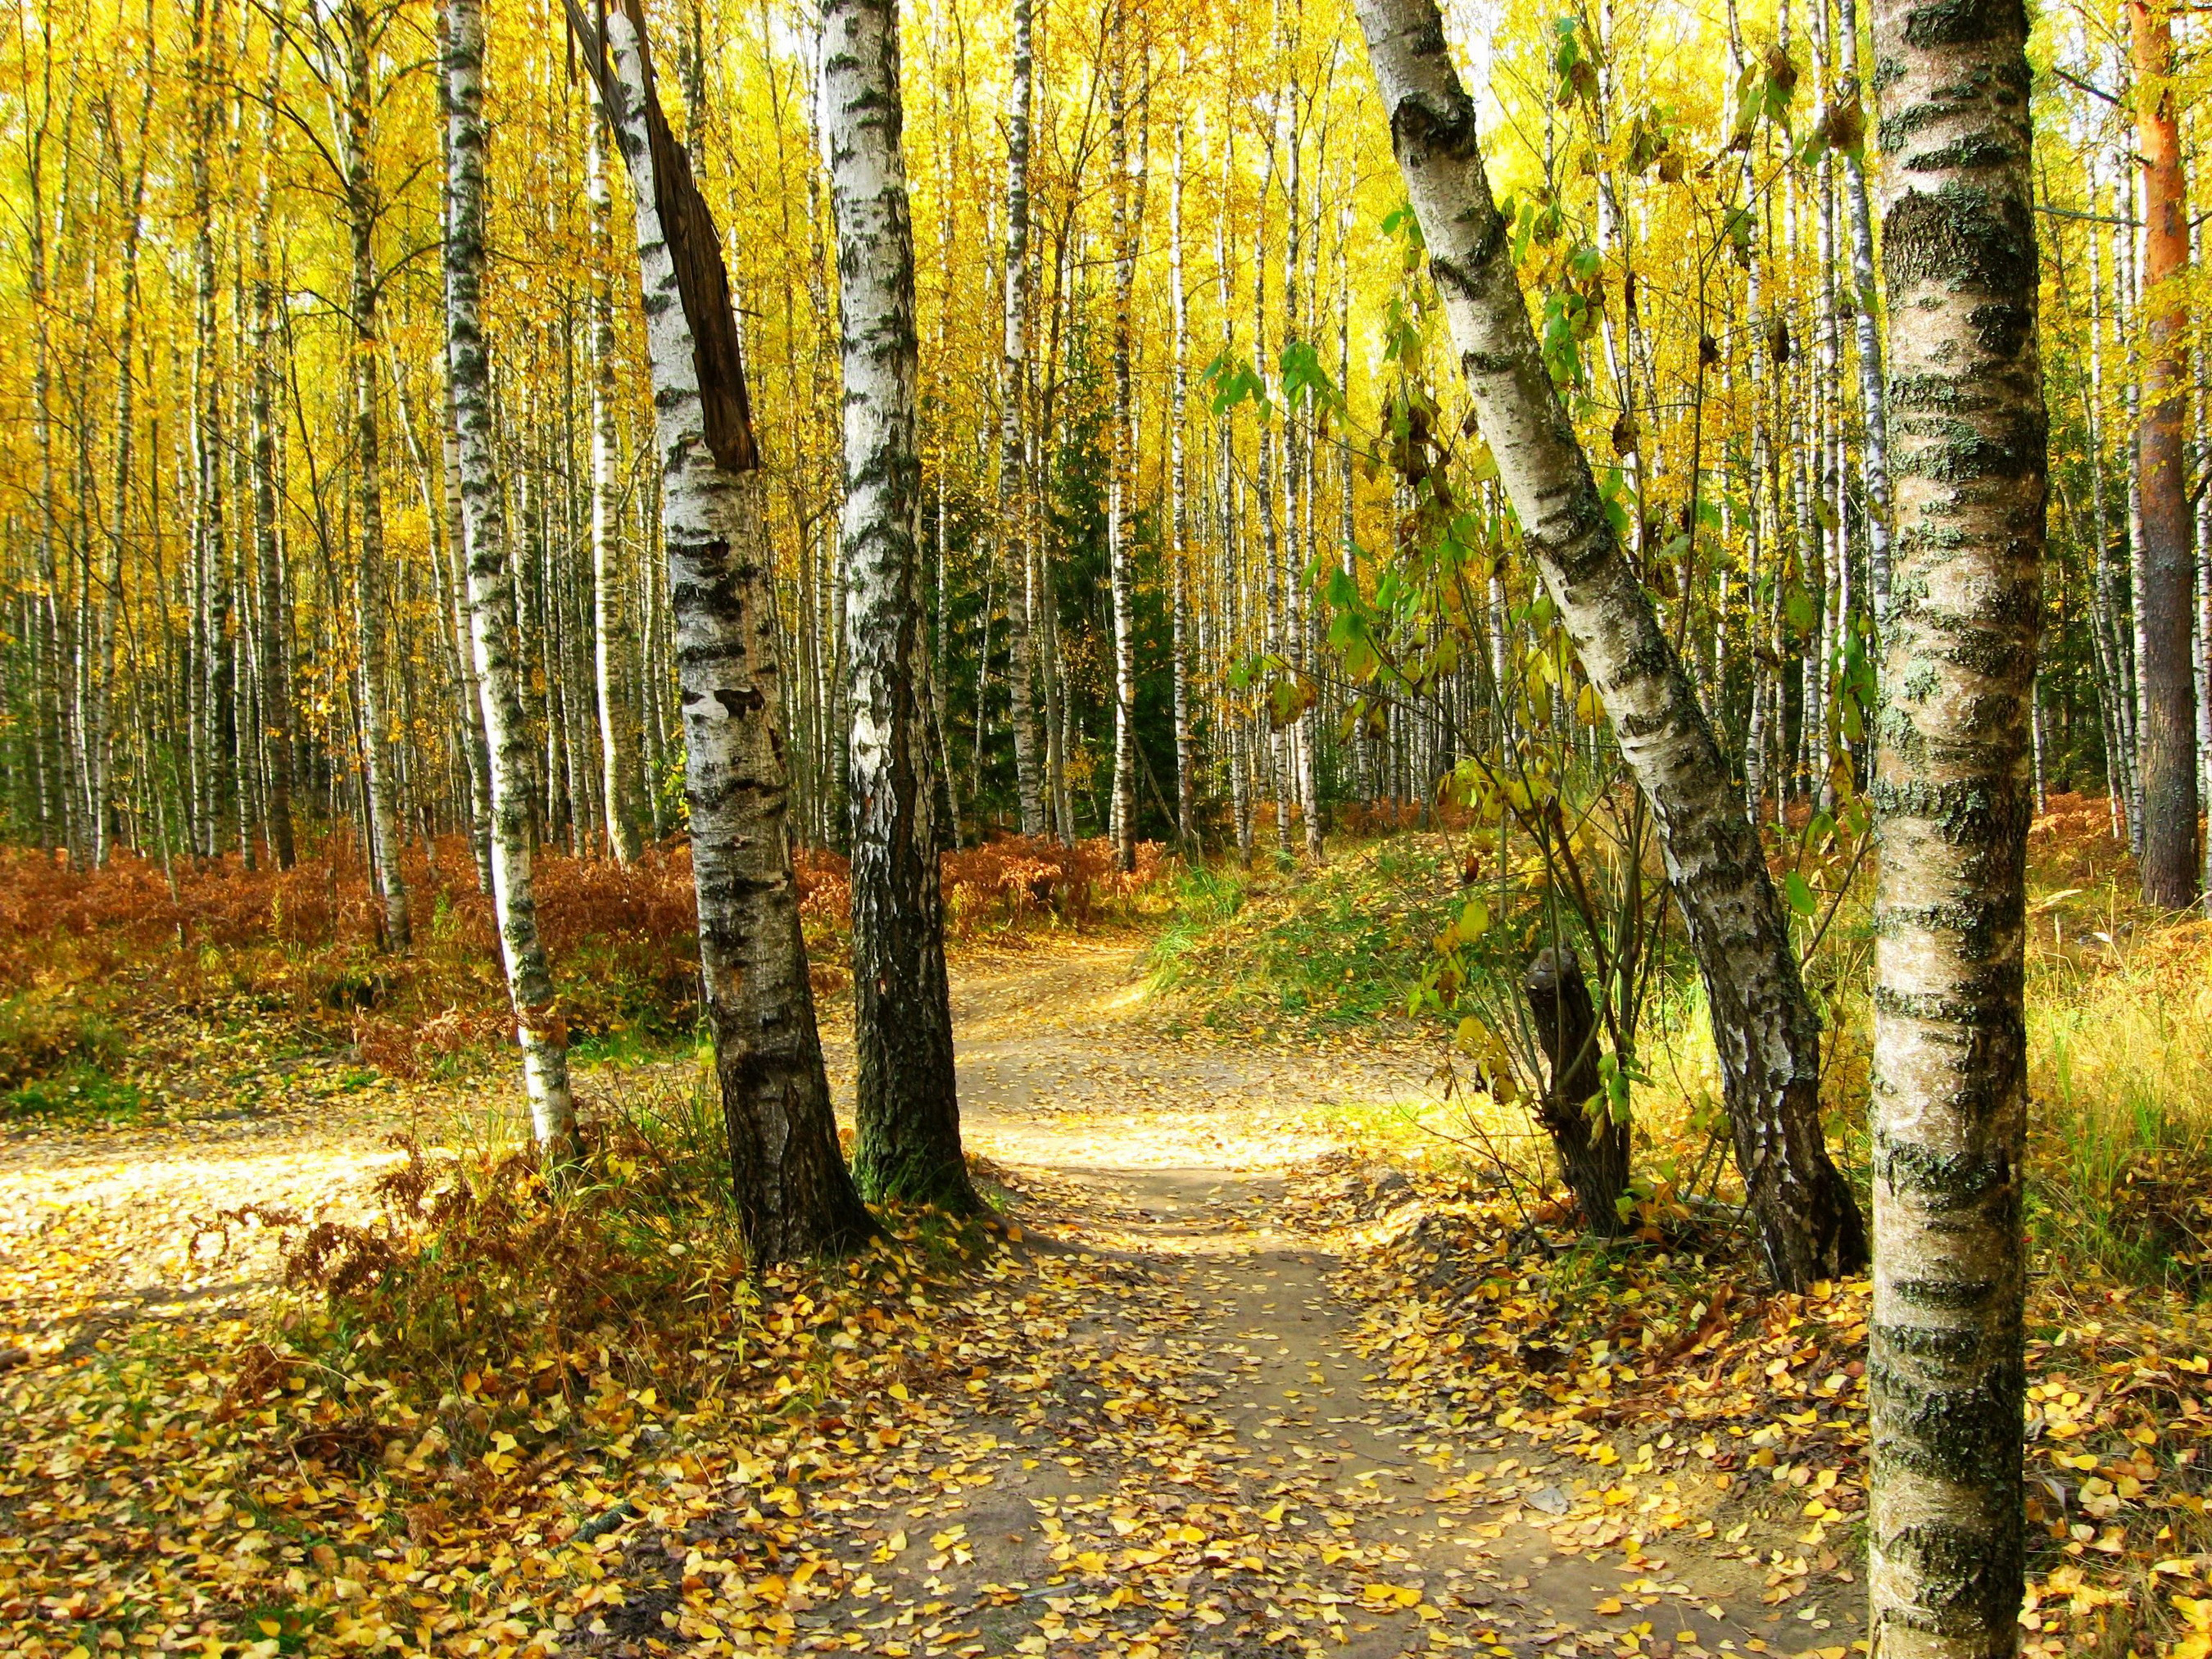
column 1159, row 1420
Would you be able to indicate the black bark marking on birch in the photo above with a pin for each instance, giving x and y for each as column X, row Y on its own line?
column 1965, row 1583
column 1962, row 23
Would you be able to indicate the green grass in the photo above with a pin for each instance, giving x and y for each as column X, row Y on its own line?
column 1337, row 950
column 76, row 1093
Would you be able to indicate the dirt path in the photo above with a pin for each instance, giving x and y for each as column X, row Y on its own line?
column 1144, row 1432
column 1165, row 1444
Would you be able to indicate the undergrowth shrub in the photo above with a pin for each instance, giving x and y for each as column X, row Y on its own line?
column 633, row 1258
column 297, row 953
column 43, row 1033
column 628, row 1265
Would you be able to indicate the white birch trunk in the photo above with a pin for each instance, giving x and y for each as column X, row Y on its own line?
column 617, row 754
column 1953, row 792
column 1013, row 373
column 907, row 1106
column 539, row 1028
column 370, row 624
column 794, row 1193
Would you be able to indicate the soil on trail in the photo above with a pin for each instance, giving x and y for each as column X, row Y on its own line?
column 1168, row 1441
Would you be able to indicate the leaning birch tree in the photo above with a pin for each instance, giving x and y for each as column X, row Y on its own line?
column 795, row 1195
column 1765, row 1030
column 1954, row 796
column 906, row 1110
column 538, row 1024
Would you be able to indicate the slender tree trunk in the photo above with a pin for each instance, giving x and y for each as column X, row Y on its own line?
column 1873, row 412
column 618, row 756
column 217, row 688
column 1013, row 374
column 1764, row 1026
column 273, row 661
column 1179, row 517
column 794, row 1193
column 538, row 1026
column 100, row 739
column 1953, row 792
column 907, row 1106
column 453, row 584
column 362, row 210
column 2167, row 565
column 1121, row 510
column 1593, row 1149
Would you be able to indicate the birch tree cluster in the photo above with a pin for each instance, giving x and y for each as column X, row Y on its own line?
column 1181, row 381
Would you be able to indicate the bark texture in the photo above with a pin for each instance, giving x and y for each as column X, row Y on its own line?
column 1120, row 508
column 1954, row 796
column 792, row 1189
column 539, row 1028
column 1593, row 1149
column 906, row 1110
column 1763, row 1027
column 1013, row 374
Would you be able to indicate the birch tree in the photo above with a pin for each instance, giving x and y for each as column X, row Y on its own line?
column 1765, row 1030
column 906, row 1112
column 1955, row 797
column 538, row 1027
column 795, row 1195
column 1013, row 373
column 618, row 757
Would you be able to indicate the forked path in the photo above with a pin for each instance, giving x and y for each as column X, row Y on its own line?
column 1165, row 1440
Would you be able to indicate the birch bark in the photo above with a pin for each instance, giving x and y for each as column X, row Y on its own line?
column 1764, row 1026
column 99, row 759
column 1953, row 795
column 906, row 1110
column 1179, row 514
column 794, row 1193
column 617, row 753
column 539, row 1028
column 1874, row 411
column 275, row 665
column 1012, row 516
column 1121, row 510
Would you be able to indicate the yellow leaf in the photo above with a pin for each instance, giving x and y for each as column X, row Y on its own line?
column 898, row 1391
column 1610, row 1605
column 1272, row 1515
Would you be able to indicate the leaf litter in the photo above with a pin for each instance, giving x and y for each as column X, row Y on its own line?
column 1220, row 1384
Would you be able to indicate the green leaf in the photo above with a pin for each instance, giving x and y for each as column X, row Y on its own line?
column 1799, row 893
